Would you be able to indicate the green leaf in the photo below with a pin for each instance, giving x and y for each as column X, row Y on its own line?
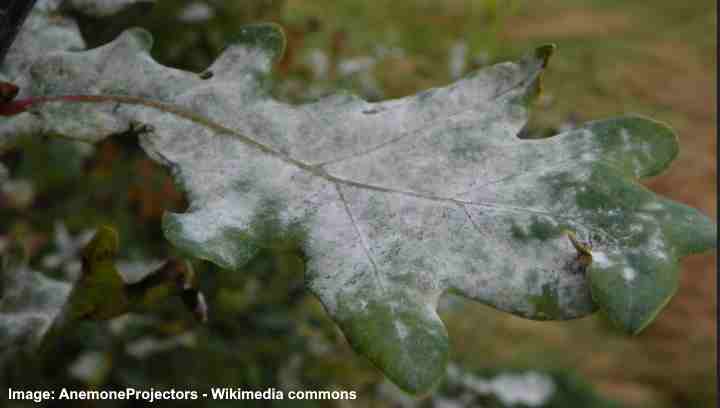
column 392, row 203
column 102, row 293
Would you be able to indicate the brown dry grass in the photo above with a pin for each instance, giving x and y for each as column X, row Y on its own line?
column 572, row 23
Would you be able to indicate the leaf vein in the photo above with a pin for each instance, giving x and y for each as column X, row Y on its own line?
column 361, row 236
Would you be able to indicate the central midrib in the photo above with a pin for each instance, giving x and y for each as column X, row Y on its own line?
column 316, row 170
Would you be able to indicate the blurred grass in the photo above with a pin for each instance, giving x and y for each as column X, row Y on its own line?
column 632, row 56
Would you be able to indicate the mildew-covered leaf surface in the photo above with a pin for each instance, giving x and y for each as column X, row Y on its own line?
column 391, row 204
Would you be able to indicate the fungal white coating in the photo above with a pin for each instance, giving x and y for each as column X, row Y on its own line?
column 423, row 186
column 656, row 245
column 626, row 140
column 637, row 165
column 587, row 156
column 402, row 330
column 600, row 258
column 646, row 217
column 652, row 206
column 629, row 274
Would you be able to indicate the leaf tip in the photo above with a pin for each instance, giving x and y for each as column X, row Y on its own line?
column 634, row 327
column 268, row 36
column 104, row 245
column 632, row 293
column 535, row 63
column 408, row 344
column 140, row 37
column 660, row 138
column 700, row 233
column 544, row 52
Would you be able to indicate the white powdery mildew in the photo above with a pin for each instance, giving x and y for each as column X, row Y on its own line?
column 637, row 165
column 628, row 145
column 43, row 32
column 342, row 244
column 601, row 259
column 656, row 244
column 636, row 228
column 652, row 206
column 646, row 217
column 640, row 151
column 629, row 274
column 402, row 330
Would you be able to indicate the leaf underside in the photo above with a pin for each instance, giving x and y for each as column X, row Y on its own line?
column 391, row 203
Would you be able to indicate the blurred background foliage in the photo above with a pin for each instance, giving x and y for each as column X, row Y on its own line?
column 655, row 58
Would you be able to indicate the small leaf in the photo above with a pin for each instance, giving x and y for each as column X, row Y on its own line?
column 101, row 292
